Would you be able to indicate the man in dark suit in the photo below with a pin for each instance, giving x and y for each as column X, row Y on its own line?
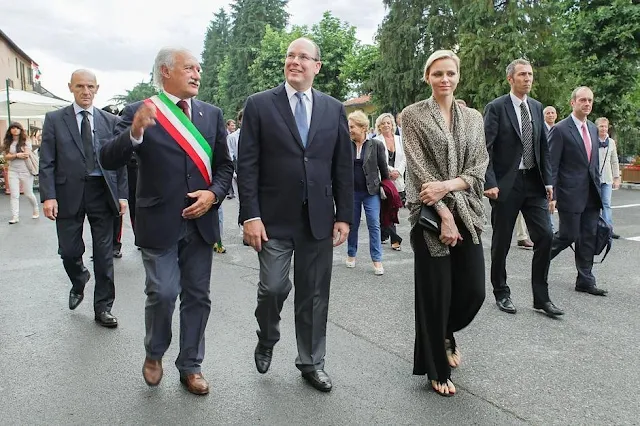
column 574, row 164
column 184, row 172
column 518, row 178
column 74, row 184
column 294, row 163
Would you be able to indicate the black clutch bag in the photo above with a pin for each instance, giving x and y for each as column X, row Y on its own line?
column 429, row 219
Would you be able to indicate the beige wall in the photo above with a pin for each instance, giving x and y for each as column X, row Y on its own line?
column 22, row 76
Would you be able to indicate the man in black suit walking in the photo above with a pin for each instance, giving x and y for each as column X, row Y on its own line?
column 184, row 173
column 74, row 184
column 294, row 163
column 518, row 178
column 574, row 164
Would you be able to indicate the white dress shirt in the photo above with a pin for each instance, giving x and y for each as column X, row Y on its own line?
column 516, row 105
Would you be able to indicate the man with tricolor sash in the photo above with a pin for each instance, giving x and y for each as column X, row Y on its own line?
column 184, row 173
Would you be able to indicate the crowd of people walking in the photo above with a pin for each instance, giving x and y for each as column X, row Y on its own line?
column 303, row 171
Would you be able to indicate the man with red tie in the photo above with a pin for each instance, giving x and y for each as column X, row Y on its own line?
column 184, row 173
column 574, row 166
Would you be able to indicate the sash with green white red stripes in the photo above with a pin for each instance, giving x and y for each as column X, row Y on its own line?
column 182, row 130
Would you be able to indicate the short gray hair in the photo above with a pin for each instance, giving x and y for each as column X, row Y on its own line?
column 602, row 120
column 166, row 57
column 549, row 107
column 511, row 68
column 574, row 94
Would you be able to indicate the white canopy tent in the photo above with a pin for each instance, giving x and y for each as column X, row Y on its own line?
column 27, row 105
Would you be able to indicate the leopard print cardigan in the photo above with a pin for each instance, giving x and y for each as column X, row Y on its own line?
column 436, row 153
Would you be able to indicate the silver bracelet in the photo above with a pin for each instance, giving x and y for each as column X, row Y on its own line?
column 439, row 205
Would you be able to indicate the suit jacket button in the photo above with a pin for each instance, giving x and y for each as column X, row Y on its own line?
column 306, row 159
column 188, row 176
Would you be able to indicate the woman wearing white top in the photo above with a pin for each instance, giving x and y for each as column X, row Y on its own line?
column 16, row 150
column 609, row 168
column 396, row 163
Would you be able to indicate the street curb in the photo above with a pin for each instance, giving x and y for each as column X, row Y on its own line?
column 629, row 185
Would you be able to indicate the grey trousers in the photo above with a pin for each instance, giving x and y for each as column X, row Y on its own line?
column 184, row 269
column 312, row 278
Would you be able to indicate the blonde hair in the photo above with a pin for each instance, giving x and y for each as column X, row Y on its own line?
column 382, row 117
column 436, row 56
column 359, row 118
column 602, row 120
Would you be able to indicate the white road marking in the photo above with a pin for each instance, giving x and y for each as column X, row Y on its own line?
column 624, row 206
column 633, row 238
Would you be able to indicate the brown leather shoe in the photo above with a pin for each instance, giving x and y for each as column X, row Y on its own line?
column 152, row 371
column 195, row 383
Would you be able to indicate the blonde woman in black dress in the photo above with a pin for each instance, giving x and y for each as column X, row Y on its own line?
column 446, row 163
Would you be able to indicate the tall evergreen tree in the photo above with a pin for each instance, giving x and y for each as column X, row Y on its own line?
column 494, row 33
column 603, row 38
column 410, row 32
column 215, row 50
column 250, row 18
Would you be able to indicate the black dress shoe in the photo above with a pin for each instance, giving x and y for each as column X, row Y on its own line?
column 263, row 356
column 615, row 236
column 592, row 290
column 75, row 299
column 506, row 305
column 117, row 254
column 319, row 380
column 549, row 308
column 105, row 319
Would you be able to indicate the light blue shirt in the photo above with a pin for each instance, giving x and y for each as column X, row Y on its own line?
column 77, row 109
column 293, row 101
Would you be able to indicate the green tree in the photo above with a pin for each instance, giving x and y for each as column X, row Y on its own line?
column 250, row 18
column 494, row 33
column 603, row 38
column 140, row 91
column 409, row 33
column 267, row 70
column 337, row 41
column 215, row 51
column 359, row 68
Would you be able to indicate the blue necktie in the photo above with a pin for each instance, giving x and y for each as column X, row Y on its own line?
column 301, row 118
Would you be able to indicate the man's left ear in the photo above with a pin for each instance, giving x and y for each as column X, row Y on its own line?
column 97, row 87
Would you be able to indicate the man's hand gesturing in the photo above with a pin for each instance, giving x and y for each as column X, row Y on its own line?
column 145, row 117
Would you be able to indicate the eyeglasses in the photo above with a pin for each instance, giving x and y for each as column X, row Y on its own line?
column 303, row 57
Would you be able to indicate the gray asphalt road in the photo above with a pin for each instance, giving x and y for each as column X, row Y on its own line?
column 58, row 367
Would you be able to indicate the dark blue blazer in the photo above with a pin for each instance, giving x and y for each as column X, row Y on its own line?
column 166, row 174
column 504, row 144
column 62, row 161
column 276, row 172
column 574, row 177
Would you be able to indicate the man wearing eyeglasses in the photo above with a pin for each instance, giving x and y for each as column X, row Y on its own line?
column 294, row 165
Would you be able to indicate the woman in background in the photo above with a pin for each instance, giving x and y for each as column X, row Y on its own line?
column 369, row 168
column 396, row 163
column 16, row 149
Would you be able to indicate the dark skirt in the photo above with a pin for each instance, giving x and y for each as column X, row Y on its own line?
column 449, row 292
